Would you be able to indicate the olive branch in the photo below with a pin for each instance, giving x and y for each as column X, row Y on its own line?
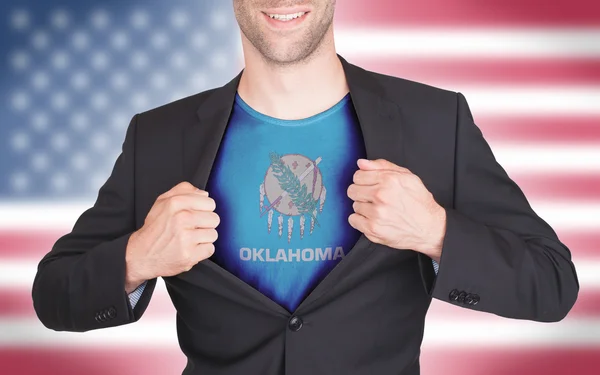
column 290, row 183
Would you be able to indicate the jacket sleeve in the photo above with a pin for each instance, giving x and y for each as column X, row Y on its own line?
column 498, row 255
column 80, row 283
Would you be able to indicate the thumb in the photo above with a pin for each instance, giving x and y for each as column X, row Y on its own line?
column 379, row 164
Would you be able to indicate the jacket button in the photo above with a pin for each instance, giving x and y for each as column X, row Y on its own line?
column 295, row 323
column 453, row 296
column 475, row 299
column 97, row 317
column 461, row 297
column 105, row 315
column 469, row 299
column 112, row 312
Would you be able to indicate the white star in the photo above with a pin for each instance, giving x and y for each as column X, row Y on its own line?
column 20, row 19
column 39, row 161
column 179, row 19
column 119, row 80
column 59, row 101
column 100, row 101
column 159, row 40
column 39, row 121
column 40, row 39
column 199, row 40
column 40, row 80
column 139, row 101
column 139, row 60
column 100, row 60
column 20, row 60
column 100, row 19
column 140, row 19
column 60, row 19
column 79, row 121
column 80, row 161
column 60, row 60
column 80, row 80
column 59, row 182
column 179, row 60
column 198, row 81
column 120, row 40
column 219, row 60
column 219, row 20
column 59, row 142
column 20, row 101
column 20, row 141
column 119, row 121
column 80, row 40
column 19, row 181
column 99, row 141
column 158, row 80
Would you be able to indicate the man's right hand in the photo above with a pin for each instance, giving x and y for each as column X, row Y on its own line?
column 178, row 232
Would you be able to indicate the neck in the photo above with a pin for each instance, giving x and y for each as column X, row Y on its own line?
column 294, row 91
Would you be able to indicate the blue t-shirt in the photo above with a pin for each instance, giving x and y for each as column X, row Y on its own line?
column 280, row 188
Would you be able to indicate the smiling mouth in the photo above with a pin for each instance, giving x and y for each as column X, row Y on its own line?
column 286, row 17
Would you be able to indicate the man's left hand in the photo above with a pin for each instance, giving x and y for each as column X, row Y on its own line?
column 393, row 207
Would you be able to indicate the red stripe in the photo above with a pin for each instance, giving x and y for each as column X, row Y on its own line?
column 467, row 13
column 555, row 187
column 448, row 72
column 21, row 246
column 96, row 361
column 18, row 304
column 149, row 361
column 513, row 361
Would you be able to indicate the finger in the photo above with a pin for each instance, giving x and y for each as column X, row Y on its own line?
column 198, row 219
column 361, row 193
column 203, row 251
column 190, row 201
column 358, row 222
column 183, row 188
column 364, row 209
column 203, row 235
column 364, row 177
column 380, row 164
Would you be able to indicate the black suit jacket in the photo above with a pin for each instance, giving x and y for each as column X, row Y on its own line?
column 367, row 315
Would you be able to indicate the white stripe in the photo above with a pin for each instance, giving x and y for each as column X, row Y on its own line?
column 18, row 274
column 30, row 333
column 500, row 100
column 553, row 158
column 60, row 218
column 574, row 43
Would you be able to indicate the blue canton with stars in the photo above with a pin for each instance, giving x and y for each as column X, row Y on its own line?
column 74, row 74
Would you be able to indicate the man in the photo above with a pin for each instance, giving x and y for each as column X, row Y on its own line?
column 337, row 193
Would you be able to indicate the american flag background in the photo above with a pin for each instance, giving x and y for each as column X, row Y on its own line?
column 73, row 73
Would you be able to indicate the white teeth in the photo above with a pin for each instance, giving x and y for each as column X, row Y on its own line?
column 286, row 17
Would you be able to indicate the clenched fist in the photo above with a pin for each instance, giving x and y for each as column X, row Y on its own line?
column 178, row 232
column 393, row 207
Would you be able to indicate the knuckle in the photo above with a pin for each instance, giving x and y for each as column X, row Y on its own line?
column 379, row 195
column 380, row 210
column 181, row 218
column 176, row 202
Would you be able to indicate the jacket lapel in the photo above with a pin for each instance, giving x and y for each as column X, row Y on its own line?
column 381, row 126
